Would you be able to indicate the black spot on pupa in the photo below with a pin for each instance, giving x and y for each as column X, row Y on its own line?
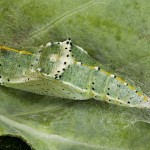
column 65, row 63
column 63, row 69
column 99, row 68
column 8, row 80
column 92, row 82
column 58, row 43
column 70, row 50
column 71, row 44
column 93, row 88
column 0, row 77
column 60, row 76
column 136, row 91
column 115, row 76
column 31, row 64
column 109, row 99
column 108, row 88
column 67, row 42
column 0, row 64
column 69, row 39
column 67, row 55
column 128, row 102
column 66, row 48
column 58, row 71
column 108, row 94
column 18, row 65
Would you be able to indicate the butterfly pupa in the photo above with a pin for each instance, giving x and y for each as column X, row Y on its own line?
column 65, row 70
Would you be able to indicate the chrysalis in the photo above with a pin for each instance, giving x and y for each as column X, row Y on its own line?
column 65, row 70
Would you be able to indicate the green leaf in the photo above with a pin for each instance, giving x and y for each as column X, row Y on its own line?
column 114, row 32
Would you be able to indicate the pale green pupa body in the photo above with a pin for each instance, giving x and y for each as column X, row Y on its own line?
column 65, row 70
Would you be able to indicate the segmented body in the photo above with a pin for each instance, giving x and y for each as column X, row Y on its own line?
column 65, row 70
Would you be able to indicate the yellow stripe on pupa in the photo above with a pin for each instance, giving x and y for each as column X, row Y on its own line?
column 2, row 47
column 107, row 73
column 139, row 94
column 119, row 79
column 145, row 98
column 131, row 87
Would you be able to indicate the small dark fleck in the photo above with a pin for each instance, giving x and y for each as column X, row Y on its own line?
column 67, row 42
column 115, row 76
column 93, row 88
column 71, row 44
column 128, row 102
column 37, row 59
column 108, row 88
column 58, row 71
column 107, row 93
column 92, row 82
column 63, row 69
column 8, row 80
column 0, row 76
column 31, row 65
column 60, row 76
column 109, row 100
column 70, row 50
column 118, row 98
column 136, row 91
column 58, row 43
column 63, row 89
column 28, row 78
column 18, row 65
column 0, row 65
column 98, row 68
column 65, row 63
column 67, row 55
column 69, row 39
column 66, row 48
